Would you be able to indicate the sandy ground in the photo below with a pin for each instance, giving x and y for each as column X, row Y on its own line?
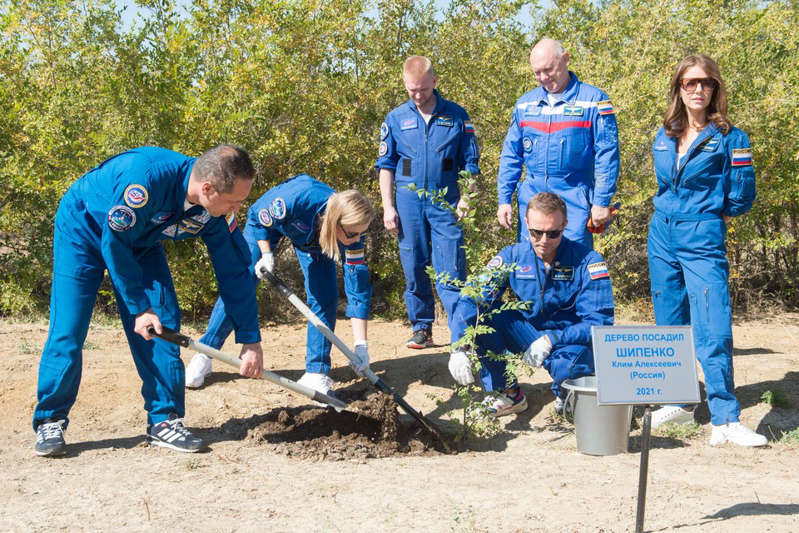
column 529, row 478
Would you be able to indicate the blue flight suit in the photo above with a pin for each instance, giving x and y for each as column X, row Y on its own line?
column 570, row 149
column 114, row 218
column 293, row 209
column 428, row 155
column 687, row 252
column 565, row 300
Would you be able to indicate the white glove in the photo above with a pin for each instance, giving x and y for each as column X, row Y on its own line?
column 267, row 261
column 460, row 366
column 539, row 350
column 361, row 362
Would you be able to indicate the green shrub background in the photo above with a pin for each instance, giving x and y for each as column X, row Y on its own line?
column 304, row 86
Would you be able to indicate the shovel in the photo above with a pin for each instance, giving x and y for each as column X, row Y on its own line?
column 170, row 335
column 368, row 374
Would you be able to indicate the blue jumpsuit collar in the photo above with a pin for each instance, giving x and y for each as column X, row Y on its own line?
column 568, row 95
column 439, row 104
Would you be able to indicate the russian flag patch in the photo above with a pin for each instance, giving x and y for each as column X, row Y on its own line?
column 598, row 270
column 231, row 222
column 468, row 127
column 741, row 157
column 605, row 107
column 354, row 257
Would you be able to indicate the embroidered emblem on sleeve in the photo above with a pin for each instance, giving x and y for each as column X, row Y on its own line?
column 605, row 107
column 136, row 195
column 121, row 218
column 355, row 257
column 741, row 157
column 598, row 270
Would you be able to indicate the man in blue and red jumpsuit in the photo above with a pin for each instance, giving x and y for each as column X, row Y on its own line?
column 564, row 133
column 567, row 288
column 425, row 142
column 114, row 218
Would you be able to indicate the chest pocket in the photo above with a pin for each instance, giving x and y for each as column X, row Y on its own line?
column 703, row 171
column 575, row 148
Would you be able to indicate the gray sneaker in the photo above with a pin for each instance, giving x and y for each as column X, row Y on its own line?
column 50, row 438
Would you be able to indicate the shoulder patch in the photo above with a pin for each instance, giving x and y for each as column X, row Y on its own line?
column 278, row 208
column 121, row 218
column 468, row 126
column 527, row 143
column 264, row 218
column 495, row 262
column 605, row 107
column 383, row 131
column 232, row 224
column 136, row 195
column 598, row 270
column 354, row 257
column 741, row 157
column 383, row 149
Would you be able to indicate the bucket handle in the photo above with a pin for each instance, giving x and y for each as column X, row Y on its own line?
column 568, row 404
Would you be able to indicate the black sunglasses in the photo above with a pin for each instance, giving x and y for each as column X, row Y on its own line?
column 536, row 234
column 350, row 234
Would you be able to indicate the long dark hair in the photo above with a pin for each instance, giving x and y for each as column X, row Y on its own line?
column 676, row 119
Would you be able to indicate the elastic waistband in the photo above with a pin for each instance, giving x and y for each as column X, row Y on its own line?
column 686, row 216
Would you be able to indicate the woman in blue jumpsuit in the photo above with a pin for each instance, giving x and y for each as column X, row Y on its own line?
column 324, row 227
column 705, row 177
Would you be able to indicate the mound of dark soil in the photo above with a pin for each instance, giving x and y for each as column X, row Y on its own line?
column 370, row 428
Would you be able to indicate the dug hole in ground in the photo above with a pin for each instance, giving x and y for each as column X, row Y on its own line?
column 274, row 463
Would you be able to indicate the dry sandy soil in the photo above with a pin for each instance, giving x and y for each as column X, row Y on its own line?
column 276, row 464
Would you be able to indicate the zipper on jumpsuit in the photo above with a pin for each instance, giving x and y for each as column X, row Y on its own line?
column 426, row 135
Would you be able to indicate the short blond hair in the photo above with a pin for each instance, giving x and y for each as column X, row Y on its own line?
column 345, row 208
column 417, row 66
column 547, row 203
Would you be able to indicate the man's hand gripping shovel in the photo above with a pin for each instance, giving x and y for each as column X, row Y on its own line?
column 174, row 337
column 367, row 373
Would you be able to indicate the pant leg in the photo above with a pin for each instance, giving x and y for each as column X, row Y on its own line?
column 414, row 251
column 157, row 361
column 448, row 255
column 321, row 292
column 570, row 361
column 704, row 259
column 219, row 324
column 512, row 332
column 77, row 274
column 669, row 295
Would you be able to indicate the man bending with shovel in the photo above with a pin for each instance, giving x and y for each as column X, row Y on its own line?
column 114, row 218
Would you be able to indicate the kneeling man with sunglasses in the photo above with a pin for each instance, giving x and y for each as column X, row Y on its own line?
column 567, row 288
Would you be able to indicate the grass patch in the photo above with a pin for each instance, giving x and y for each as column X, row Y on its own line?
column 680, row 431
column 775, row 398
column 791, row 438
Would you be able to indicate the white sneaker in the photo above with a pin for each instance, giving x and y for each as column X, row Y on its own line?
column 559, row 405
column 318, row 382
column 199, row 367
column 671, row 414
column 501, row 404
column 736, row 433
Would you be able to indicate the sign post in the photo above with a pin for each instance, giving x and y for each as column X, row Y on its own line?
column 645, row 365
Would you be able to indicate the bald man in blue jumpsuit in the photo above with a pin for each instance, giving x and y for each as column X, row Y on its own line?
column 114, row 218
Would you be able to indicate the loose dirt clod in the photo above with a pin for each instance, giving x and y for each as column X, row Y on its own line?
column 370, row 428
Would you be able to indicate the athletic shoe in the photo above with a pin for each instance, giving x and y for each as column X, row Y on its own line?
column 671, row 414
column 171, row 434
column 503, row 404
column 422, row 338
column 50, row 438
column 320, row 383
column 559, row 405
column 199, row 367
column 736, row 433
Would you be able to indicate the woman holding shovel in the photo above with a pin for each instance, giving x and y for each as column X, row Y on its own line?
column 324, row 226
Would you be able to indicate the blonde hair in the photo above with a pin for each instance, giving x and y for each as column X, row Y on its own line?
column 676, row 119
column 345, row 208
column 417, row 66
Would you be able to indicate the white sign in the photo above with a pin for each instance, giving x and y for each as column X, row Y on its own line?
column 645, row 365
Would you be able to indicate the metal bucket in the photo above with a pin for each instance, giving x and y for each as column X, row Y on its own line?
column 601, row 429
